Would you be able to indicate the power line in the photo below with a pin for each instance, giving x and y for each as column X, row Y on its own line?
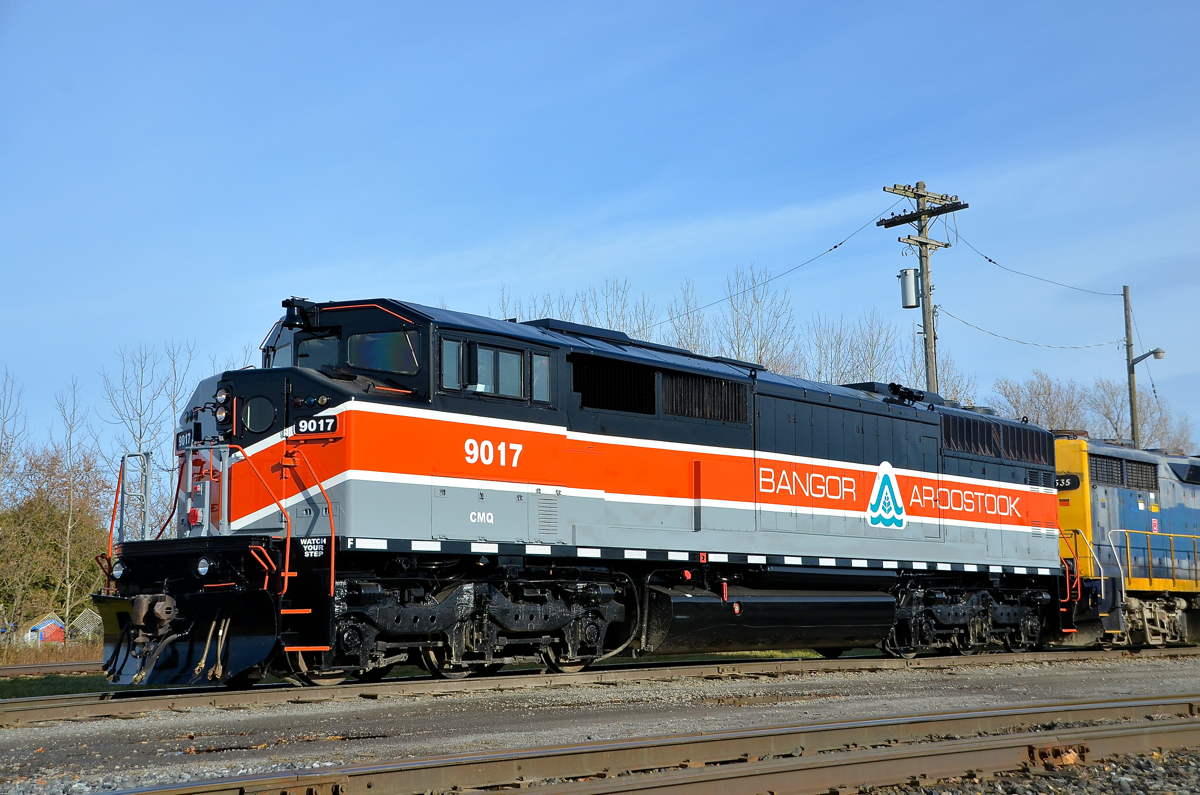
column 943, row 310
column 773, row 278
column 959, row 236
column 1138, row 331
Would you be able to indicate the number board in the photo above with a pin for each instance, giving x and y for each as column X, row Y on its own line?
column 319, row 425
column 183, row 440
column 1066, row 482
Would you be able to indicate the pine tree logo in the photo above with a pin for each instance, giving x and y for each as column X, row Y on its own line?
column 885, row 508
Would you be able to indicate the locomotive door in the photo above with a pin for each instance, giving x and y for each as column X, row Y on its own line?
column 933, row 527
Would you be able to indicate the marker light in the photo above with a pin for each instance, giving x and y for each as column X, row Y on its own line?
column 202, row 566
column 222, row 413
column 222, row 396
column 310, row 401
column 118, row 570
column 321, row 401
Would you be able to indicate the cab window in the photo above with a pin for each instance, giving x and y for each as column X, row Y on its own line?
column 387, row 351
column 499, row 372
column 317, row 351
column 541, row 378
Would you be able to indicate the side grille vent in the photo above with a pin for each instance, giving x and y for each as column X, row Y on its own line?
column 547, row 514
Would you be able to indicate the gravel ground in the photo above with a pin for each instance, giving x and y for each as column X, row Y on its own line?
column 170, row 747
column 1162, row 774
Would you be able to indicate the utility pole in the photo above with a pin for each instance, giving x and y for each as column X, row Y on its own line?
column 942, row 204
column 1133, row 417
column 1131, row 365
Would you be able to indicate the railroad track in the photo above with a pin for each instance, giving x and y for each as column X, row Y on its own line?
column 81, row 706
column 800, row 758
column 41, row 669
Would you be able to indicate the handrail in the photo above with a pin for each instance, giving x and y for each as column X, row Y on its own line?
column 1095, row 557
column 112, row 526
column 287, row 549
column 175, row 496
column 332, row 531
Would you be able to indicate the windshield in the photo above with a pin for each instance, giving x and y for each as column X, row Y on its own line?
column 313, row 353
column 389, row 351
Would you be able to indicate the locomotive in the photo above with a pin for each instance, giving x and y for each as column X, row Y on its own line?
column 400, row 483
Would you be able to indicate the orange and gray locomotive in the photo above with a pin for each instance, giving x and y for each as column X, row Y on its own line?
column 400, row 483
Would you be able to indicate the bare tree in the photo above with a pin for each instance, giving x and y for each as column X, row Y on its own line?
column 145, row 402
column 238, row 360
column 611, row 306
column 757, row 324
column 953, row 383
column 561, row 306
column 687, row 326
column 77, row 438
column 13, row 427
column 1108, row 404
column 1046, row 401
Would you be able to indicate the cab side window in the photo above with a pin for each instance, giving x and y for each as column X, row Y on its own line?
column 452, row 364
column 491, row 370
column 317, row 351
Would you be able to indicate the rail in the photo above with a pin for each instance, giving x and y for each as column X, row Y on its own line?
column 79, row 706
column 813, row 758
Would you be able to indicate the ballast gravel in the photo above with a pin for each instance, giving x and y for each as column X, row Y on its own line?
column 1172, row 773
column 173, row 747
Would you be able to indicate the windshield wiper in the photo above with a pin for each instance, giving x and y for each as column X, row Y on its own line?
column 338, row 373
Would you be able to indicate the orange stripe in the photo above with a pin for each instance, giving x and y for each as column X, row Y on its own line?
column 438, row 447
column 296, row 612
column 306, row 648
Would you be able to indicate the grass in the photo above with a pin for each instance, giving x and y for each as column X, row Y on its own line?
column 54, row 685
column 39, row 653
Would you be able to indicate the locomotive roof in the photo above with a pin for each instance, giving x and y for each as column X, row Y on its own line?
column 577, row 337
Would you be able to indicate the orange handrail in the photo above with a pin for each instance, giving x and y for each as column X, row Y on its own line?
column 332, row 531
column 112, row 526
column 287, row 549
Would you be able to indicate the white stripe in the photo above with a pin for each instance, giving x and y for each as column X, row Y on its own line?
column 1044, row 571
column 996, row 569
column 635, row 554
column 677, row 556
column 537, row 549
column 943, row 567
column 920, row 565
column 1018, row 569
column 860, row 564
column 970, row 567
column 584, row 552
column 480, row 547
column 440, row 481
column 827, row 561
column 718, row 557
column 790, row 561
column 427, row 546
column 370, row 543
column 756, row 558
column 890, row 564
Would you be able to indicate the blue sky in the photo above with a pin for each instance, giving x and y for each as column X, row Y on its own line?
column 173, row 171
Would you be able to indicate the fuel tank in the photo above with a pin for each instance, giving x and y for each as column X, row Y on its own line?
column 198, row 638
column 693, row 620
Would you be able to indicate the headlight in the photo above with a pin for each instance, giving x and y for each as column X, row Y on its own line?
column 202, row 566
column 222, row 413
column 118, row 570
column 222, row 396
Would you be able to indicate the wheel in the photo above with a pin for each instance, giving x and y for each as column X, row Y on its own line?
column 554, row 661
column 830, row 654
column 374, row 674
column 314, row 678
column 433, row 659
column 897, row 647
